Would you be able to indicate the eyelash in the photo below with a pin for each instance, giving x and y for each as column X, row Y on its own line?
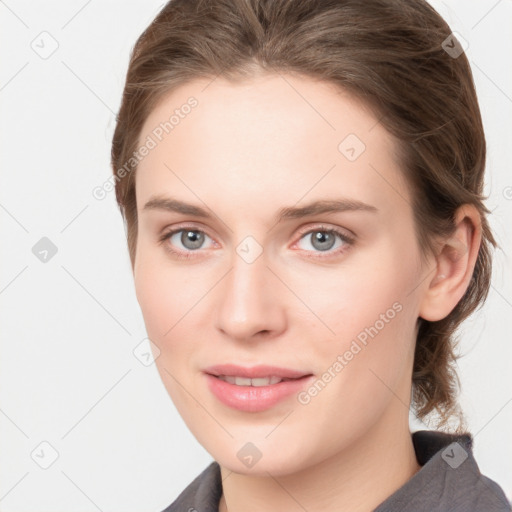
column 346, row 239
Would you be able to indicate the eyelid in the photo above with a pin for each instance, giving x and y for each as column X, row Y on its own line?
column 348, row 239
column 166, row 234
column 343, row 232
column 186, row 226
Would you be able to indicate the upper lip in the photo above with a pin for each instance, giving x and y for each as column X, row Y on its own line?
column 254, row 372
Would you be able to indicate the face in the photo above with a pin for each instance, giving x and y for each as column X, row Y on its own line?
column 276, row 230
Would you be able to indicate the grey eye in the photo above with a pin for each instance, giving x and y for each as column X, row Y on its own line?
column 322, row 240
column 192, row 239
column 189, row 239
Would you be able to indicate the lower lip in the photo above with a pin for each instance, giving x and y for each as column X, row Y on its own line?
column 254, row 398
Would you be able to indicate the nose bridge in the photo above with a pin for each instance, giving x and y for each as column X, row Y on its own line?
column 249, row 303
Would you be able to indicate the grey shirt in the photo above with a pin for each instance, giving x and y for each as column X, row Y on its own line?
column 449, row 480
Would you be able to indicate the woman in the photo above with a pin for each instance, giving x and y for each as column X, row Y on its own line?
column 302, row 186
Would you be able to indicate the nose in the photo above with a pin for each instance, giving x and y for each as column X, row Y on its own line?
column 250, row 302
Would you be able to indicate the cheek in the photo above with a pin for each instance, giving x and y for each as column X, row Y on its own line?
column 160, row 293
column 172, row 301
column 357, row 294
column 166, row 299
column 373, row 315
column 153, row 301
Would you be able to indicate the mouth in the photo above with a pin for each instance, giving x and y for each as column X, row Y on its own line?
column 254, row 373
column 256, row 382
column 254, row 389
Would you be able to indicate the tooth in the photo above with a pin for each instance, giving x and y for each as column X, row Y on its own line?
column 261, row 381
column 242, row 381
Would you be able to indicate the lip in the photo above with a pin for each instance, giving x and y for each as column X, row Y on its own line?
column 252, row 398
column 255, row 372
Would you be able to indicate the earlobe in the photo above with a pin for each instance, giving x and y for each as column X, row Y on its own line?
column 454, row 265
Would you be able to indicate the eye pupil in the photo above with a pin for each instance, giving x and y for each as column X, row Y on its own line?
column 323, row 240
column 192, row 239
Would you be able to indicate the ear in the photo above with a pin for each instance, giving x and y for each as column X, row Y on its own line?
column 455, row 263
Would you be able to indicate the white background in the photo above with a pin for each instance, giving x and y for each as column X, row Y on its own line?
column 69, row 326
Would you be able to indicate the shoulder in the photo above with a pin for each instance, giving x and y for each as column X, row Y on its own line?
column 449, row 479
column 202, row 494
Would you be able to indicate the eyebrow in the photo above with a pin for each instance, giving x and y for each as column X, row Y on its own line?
column 291, row 212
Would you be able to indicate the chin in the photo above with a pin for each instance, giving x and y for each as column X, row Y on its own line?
column 259, row 458
column 262, row 468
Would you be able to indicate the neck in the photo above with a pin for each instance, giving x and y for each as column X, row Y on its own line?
column 358, row 478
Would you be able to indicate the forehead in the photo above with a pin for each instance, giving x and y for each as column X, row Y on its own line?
column 271, row 135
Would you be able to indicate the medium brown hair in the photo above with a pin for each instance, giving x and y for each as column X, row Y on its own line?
column 391, row 55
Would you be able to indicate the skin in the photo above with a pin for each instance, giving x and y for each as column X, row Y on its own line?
column 246, row 151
